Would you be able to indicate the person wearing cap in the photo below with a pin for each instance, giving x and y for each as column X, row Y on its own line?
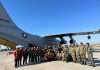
column 90, row 54
column 73, row 52
column 66, row 52
column 77, row 48
column 83, row 53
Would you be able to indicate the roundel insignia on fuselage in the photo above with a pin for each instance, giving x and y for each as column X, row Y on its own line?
column 24, row 35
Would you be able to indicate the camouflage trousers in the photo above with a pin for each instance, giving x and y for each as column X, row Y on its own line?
column 74, row 58
column 83, row 59
column 64, row 57
column 78, row 58
column 91, row 60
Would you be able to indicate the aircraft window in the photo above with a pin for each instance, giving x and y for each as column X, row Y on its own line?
column 24, row 35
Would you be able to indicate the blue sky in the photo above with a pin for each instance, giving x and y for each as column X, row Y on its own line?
column 46, row 17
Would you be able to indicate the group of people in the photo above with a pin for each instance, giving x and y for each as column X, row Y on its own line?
column 77, row 54
column 33, row 55
column 74, row 53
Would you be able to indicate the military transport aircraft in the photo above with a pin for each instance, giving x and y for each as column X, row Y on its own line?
column 11, row 35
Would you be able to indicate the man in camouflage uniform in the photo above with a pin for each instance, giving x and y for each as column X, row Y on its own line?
column 59, row 56
column 60, row 53
column 83, row 53
column 66, row 53
column 77, row 49
column 90, row 55
column 73, row 53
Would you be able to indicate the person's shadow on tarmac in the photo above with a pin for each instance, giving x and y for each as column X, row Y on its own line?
column 31, row 64
column 97, row 62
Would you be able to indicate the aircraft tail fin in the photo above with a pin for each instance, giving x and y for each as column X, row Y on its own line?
column 4, row 17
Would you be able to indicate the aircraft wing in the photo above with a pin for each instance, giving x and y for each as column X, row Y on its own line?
column 74, row 34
